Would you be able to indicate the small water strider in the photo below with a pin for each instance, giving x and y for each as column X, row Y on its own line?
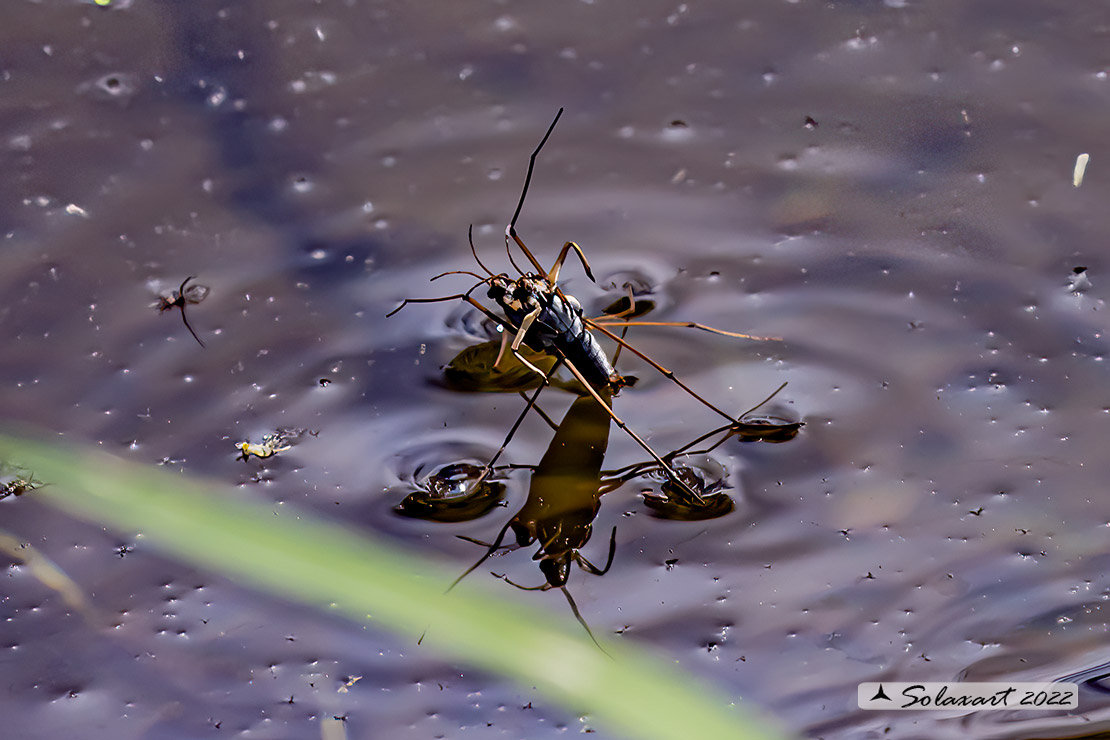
column 182, row 297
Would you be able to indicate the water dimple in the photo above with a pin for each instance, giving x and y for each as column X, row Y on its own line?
column 456, row 492
column 302, row 183
column 439, row 482
column 118, row 86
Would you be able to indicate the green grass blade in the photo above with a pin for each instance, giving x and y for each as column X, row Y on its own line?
column 299, row 557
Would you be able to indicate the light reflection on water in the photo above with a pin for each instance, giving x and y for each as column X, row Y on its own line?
column 940, row 516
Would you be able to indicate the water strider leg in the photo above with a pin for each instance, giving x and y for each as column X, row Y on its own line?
column 510, row 252
column 629, row 431
column 501, row 351
column 189, row 327
column 688, row 325
column 525, row 325
column 718, row 430
column 662, row 370
column 543, row 415
column 591, row 568
column 570, row 600
column 620, row 346
column 553, row 276
column 532, row 166
column 612, row 415
column 492, row 549
column 457, row 296
column 625, row 312
column 510, row 231
column 516, row 425
column 473, row 251
column 624, row 332
column 638, row 468
column 581, row 619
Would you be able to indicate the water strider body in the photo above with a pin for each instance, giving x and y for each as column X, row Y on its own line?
column 557, row 327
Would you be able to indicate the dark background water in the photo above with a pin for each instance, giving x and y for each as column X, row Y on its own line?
column 885, row 186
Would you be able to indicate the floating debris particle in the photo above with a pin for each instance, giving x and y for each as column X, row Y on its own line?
column 1080, row 168
column 271, row 444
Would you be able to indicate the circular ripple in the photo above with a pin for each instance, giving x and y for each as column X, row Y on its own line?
column 451, row 491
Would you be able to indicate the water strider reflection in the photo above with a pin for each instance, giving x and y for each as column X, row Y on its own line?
column 564, row 497
column 566, row 486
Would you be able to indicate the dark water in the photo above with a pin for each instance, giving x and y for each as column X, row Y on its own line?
column 942, row 515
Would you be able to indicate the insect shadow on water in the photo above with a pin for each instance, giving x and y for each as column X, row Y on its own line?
column 183, row 296
column 538, row 315
column 564, row 497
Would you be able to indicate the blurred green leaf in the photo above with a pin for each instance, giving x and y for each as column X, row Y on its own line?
column 292, row 554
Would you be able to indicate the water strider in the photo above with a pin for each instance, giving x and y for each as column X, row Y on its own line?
column 539, row 315
column 185, row 295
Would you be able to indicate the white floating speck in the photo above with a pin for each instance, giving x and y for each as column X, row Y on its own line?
column 76, row 210
column 1080, row 168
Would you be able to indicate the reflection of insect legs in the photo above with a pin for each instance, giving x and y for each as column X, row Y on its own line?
column 540, row 315
column 745, row 428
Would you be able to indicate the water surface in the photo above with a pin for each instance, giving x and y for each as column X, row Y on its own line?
column 885, row 186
